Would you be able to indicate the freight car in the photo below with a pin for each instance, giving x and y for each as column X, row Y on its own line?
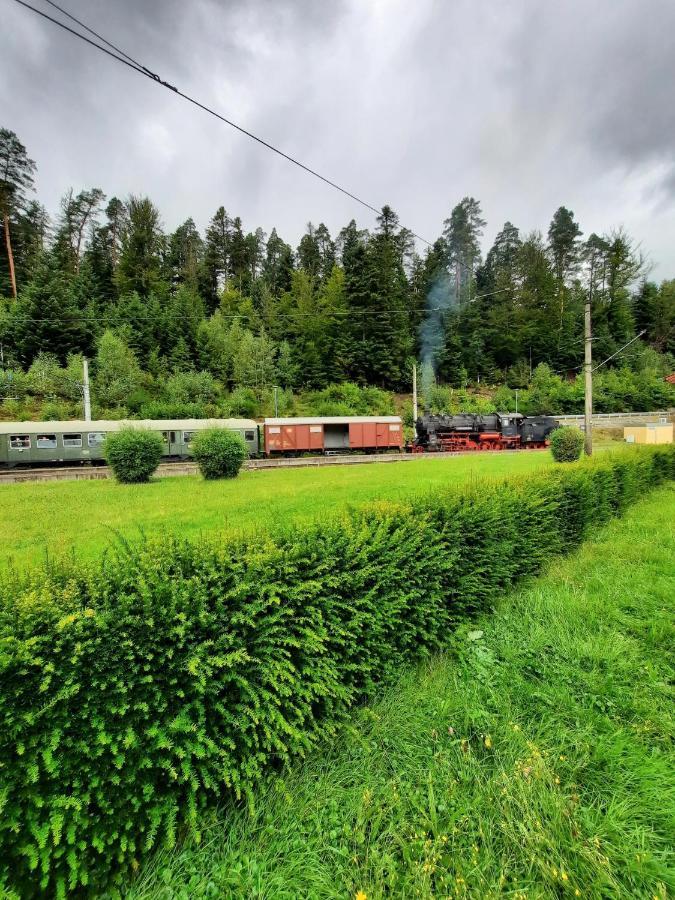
column 494, row 431
column 35, row 443
column 332, row 434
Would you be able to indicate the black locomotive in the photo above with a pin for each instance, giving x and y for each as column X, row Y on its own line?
column 493, row 431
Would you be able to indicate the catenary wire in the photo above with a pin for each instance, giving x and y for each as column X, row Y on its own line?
column 148, row 73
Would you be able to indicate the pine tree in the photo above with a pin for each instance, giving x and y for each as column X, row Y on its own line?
column 46, row 317
column 390, row 342
column 461, row 234
column 217, row 264
column 142, row 249
column 16, row 177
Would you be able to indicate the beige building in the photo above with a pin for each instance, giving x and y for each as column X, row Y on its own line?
column 653, row 433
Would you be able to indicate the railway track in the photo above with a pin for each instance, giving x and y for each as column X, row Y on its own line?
column 95, row 473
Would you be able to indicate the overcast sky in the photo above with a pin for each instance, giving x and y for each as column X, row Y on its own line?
column 524, row 104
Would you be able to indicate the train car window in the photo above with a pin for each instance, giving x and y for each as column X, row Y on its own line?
column 187, row 436
column 19, row 442
column 72, row 440
column 165, row 435
column 45, row 442
column 173, row 437
column 249, row 435
column 95, row 438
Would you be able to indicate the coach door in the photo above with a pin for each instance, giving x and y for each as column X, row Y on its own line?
column 171, row 443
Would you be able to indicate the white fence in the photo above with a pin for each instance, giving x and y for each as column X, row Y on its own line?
column 618, row 419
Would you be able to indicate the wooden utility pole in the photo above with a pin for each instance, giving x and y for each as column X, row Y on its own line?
column 588, row 377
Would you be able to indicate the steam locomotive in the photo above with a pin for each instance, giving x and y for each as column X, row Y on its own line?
column 469, row 431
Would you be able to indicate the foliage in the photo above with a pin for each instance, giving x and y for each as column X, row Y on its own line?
column 136, row 693
column 218, row 452
column 133, row 454
column 116, row 371
column 347, row 399
column 563, row 677
column 567, row 444
column 82, row 518
column 247, row 309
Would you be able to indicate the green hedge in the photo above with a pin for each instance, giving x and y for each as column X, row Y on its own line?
column 133, row 454
column 218, row 452
column 135, row 693
column 567, row 443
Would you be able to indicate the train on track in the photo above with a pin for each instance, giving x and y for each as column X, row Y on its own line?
column 469, row 431
column 44, row 443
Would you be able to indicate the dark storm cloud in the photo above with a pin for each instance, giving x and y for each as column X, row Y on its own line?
column 525, row 105
column 606, row 70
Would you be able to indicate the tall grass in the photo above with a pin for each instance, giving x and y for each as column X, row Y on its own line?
column 533, row 759
column 135, row 693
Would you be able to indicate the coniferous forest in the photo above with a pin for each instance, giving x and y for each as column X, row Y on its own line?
column 190, row 323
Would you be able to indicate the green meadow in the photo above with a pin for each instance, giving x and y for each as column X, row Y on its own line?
column 533, row 760
column 84, row 517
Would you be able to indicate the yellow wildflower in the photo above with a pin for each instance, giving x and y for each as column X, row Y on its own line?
column 563, row 875
column 488, row 741
column 361, row 895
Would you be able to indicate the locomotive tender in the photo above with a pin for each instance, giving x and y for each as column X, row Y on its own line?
column 494, row 431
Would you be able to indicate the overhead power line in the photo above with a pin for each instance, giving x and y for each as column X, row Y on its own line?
column 620, row 350
column 122, row 57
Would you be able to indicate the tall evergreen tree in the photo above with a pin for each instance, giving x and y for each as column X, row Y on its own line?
column 462, row 232
column 142, row 250
column 16, row 177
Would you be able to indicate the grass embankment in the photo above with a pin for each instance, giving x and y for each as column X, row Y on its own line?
column 58, row 517
column 533, row 760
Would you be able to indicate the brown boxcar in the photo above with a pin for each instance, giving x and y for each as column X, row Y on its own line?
column 332, row 434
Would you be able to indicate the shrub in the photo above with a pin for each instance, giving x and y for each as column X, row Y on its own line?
column 133, row 454
column 136, row 693
column 219, row 453
column 567, row 444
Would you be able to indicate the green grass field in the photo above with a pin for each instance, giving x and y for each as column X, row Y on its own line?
column 535, row 760
column 59, row 517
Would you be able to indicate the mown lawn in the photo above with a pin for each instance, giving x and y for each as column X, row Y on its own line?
column 59, row 517
column 533, row 760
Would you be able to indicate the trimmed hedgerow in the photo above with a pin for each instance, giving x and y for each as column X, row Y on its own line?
column 135, row 693
column 567, row 443
column 133, row 454
column 219, row 453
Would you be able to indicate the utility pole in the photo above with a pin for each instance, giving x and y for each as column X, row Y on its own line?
column 414, row 392
column 516, row 399
column 276, row 401
column 85, row 391
column 588, row 377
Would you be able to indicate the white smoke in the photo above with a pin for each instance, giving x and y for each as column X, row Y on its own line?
column 441, row 298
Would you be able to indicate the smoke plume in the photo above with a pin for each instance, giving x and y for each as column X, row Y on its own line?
column 440, row 300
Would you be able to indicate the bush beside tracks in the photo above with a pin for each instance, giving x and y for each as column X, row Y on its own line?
column 219, row 453
column 566, row 444
column 135, row 693
column 133, row 454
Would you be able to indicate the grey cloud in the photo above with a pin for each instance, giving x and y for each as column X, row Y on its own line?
column 525, row 105
column 606, row 71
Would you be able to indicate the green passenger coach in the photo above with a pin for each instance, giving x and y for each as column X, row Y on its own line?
column 35, row 443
